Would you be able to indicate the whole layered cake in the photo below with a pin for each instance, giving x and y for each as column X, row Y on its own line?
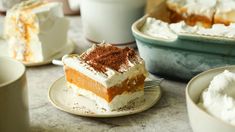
column 110, row 76
column 35, row 30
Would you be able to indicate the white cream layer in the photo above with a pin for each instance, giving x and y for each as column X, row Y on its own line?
column 225, row 6
column 225, row 10
column 219, row 98
column 111, row 77
column 197, row 7
column 201, row 7
column 170, row 31
column 118, row 101
column 47, row 38
column 157, row 28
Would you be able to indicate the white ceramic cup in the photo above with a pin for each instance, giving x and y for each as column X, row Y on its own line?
column 110, row 20
column 14, row 115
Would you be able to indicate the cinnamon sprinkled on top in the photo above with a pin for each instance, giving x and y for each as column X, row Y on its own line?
column 106, row 55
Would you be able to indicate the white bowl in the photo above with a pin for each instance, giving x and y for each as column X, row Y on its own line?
column 200, row 120
column 111, row 20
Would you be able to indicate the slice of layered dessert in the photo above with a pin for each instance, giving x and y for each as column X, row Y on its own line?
column 193, row 12
column 35, row 30
column 110, row 76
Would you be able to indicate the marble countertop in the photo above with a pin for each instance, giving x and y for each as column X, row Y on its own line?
column 168, row 115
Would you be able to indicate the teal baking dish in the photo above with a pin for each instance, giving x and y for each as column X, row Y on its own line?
column 184, row 57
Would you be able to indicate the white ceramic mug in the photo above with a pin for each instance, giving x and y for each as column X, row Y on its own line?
column 110, row 20
column 14, row 115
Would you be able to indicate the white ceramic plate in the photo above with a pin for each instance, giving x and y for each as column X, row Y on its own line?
column 64, row 99
column 69, row 48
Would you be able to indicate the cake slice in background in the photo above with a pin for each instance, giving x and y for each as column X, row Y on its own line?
column 36, row 30
column 225, row 12
column 110, row 76
column 194, row 12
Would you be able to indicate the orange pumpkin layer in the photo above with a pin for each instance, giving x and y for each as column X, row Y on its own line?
column 191, row 20
column 85, row 82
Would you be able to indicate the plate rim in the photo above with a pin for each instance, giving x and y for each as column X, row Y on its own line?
column 70, row 43
column 51, row 100
column 69, row 47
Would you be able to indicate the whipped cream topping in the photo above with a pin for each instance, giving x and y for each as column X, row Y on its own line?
column 103, row 56
column 182, row 27
column 197, row 7
column 219, row 30
column 159, row 29
column 201, row 7
column 219, row 99
column 220, row 10
column 225, row 6
column 110, row 76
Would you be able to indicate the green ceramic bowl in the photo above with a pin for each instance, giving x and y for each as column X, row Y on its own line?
column 184, row 57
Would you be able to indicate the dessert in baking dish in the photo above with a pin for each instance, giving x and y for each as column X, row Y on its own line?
column 36, row 30
column 194, row 12
column 203, row 12
column 110, row 76
column 170, row 31
column 217, row 21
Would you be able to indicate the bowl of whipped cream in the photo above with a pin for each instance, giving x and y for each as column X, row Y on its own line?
column 210, row 98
